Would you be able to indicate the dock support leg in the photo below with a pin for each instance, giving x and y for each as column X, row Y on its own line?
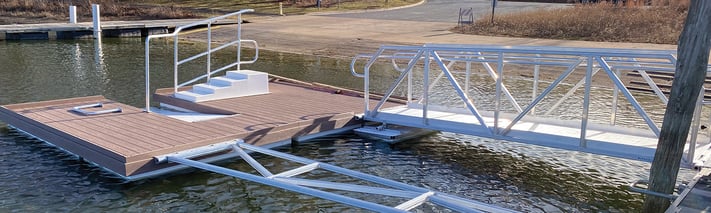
column 691, row 68
column 96, row 19
column 72, row 14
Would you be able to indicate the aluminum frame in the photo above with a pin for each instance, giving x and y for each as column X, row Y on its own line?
column 611, row 61
column 207, row 54
column 286, row 180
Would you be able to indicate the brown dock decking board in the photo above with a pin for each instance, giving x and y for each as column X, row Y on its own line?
column 126, row 142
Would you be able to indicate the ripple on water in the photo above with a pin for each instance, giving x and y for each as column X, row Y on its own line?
column 38, row 177
column 512, row 175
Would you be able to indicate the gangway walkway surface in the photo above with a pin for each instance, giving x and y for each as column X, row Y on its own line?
column 443, row 84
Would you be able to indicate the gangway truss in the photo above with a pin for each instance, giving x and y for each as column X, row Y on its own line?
column 287, row 180
column 463, row 102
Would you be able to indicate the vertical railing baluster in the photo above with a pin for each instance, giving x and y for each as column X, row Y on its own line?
column 175, row 63
column 695, row 127
column 499, row 84
column 468, row 74
column 426, row 81
column 536, row 70
column 239, row 44
column 409, row 87
column 586, row 102
column 615, row 97
column 209, row 49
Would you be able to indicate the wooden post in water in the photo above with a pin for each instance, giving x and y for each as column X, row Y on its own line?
column 691, row 66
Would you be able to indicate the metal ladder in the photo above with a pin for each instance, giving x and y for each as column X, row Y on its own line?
column 286, row 180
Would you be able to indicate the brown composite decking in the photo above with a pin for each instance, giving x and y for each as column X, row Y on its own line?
column 126, row 142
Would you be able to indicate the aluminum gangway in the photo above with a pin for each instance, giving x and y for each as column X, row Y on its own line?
column 288, row 180
column 464, row 89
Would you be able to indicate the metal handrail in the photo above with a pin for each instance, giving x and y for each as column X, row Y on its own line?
column 635, row 188
column 80, row 109
column 609, row 61
column 256, row 56
column 209, row 71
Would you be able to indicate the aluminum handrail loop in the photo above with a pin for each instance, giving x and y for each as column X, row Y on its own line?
column 210, row 50
column 353, row 62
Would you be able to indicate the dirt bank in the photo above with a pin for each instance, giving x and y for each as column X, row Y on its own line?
column 347, row 37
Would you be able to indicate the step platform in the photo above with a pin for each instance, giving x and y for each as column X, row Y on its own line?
column 234, row 84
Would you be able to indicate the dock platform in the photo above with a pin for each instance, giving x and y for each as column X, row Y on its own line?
column 51, row 31
column 126, row 142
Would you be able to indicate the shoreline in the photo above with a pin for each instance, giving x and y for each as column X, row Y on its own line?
column 344, row 38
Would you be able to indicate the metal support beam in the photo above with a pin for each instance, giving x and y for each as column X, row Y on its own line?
column 618, row 83
column 543, row 94
column 285, row 180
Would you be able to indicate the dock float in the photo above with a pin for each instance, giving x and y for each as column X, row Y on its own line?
column 126, row 142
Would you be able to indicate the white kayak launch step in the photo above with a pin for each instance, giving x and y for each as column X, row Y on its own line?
column 392, row 133
column 294, row 180
column 233, row 84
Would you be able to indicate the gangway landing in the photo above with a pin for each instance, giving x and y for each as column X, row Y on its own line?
column 414, row 196
column 445, row 91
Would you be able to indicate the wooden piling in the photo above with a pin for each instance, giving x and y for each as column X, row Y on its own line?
column 691, row 67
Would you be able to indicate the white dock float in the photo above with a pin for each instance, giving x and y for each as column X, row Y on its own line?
column 613, row 141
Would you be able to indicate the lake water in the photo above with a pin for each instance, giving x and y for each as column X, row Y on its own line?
column 39, row 178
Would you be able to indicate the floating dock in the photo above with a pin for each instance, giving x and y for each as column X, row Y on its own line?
column 126, row 142
column 51, row 31
column 245, row 110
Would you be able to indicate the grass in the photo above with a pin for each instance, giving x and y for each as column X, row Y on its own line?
column 20, row 11
column 591, row 22
column 34, row 11
column 290, row 7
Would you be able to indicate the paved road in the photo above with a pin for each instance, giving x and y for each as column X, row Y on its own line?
column 447, row 10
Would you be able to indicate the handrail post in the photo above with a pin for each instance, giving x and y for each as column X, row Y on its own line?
column 586, row 102
column 695, row 127
column 175, row 63
column 536, row 72
column 209, row 48
column 426, row 81
column 409, row 87
column 148, row 75
column 615, row 97
column 239, row 43
column 468, row 74
column 366, row 81
column 499, row 84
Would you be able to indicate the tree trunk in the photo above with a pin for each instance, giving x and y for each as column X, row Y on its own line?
column 691, row 66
